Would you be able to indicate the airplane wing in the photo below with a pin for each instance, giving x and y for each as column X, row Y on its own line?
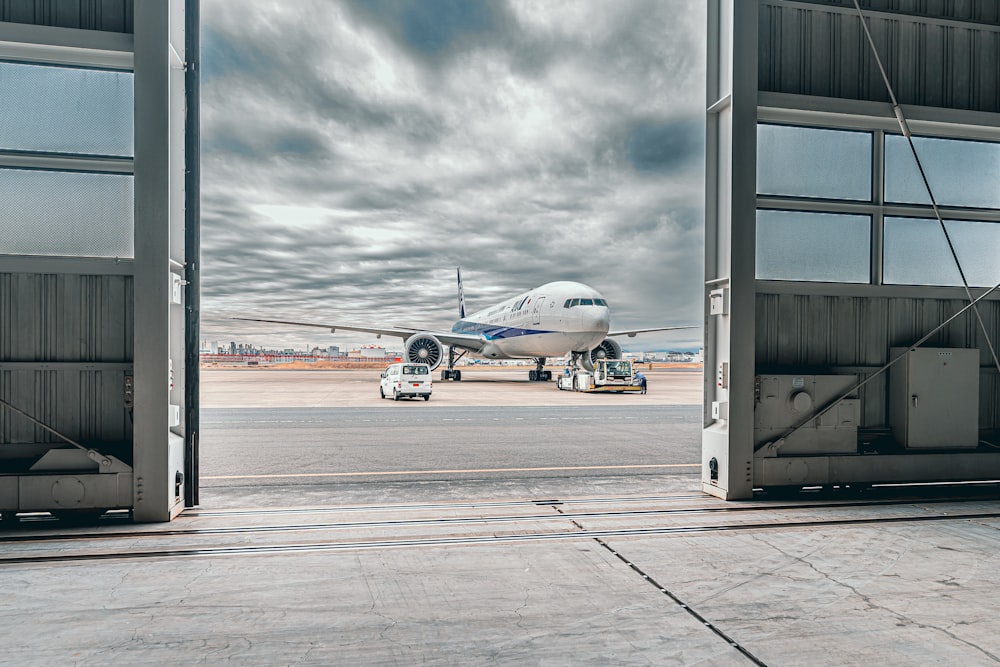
column 469, row 342
column 631, row 333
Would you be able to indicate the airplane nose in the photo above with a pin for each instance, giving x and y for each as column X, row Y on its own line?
column 597, row 319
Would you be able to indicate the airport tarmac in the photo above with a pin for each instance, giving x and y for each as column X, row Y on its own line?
column 489, row 386
column 600, row 568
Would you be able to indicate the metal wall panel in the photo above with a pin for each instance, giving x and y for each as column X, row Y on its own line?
column 820, row 49
column 65, row 318
column 85, row 405
column 65, row 347
column 854, row 333
column 981, row 11
column 106, row 15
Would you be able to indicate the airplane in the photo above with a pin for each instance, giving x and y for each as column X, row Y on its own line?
column 552, row 320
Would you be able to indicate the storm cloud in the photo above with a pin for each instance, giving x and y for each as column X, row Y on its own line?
column 356, row 152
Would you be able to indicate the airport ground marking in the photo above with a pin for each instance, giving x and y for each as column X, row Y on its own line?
column 383, row 473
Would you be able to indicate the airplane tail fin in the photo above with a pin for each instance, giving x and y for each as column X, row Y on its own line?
column 461, row 296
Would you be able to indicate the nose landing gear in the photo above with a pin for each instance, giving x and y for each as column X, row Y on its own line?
column 539, row 374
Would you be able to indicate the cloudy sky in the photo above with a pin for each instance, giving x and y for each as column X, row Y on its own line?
column 356, row 152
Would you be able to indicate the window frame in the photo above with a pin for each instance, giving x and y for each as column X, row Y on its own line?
column 876, row 208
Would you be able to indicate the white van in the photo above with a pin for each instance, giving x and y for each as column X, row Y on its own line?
column 406, row 380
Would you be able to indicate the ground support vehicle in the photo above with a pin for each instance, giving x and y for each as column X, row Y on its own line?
column 406, row 381
column 609, row 375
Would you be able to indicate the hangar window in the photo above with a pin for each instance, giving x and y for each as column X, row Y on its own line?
column 814, row 163
column 827, row 213
column 66, row 213
column 826, row 247
column 916, row 252
column 49, row 109
column 961, row 173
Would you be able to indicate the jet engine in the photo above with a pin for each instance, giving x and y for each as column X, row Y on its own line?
column 608, row 349
column 423, row 348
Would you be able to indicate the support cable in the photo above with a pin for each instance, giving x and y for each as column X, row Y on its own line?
column 93, row 454
column 904, row 128
column 44, row 426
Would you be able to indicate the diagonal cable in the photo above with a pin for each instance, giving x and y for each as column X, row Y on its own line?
column 904, row 128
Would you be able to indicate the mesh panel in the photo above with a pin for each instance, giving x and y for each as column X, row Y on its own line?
column 65, row 110
column 809, row 162
column 59, row 213
column 916, row 252
column 961, row 173
column 826, row 247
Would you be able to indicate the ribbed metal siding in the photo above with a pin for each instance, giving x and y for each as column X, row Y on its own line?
column 821, row 50
column 980, row 11
column 108, row 15
column 797, row 332
column 58, row 333
column 84, row 405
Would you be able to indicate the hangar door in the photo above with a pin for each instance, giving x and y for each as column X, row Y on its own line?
column 95, row 289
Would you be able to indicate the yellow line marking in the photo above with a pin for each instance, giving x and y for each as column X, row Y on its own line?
column 452, row 472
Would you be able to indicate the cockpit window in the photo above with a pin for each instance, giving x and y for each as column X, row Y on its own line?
column 570, row 303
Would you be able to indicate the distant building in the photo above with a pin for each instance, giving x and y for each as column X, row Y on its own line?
column 368, row 352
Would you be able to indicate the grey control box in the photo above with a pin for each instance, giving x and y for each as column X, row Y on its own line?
column 934, row 398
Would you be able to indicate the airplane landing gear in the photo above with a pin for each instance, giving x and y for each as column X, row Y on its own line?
column 539, row 374
column 450, row 373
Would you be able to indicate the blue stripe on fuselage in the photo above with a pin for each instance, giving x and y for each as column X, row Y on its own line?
column 493, row 331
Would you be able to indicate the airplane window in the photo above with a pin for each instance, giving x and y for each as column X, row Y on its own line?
column 586, row 302
column 600, row 302
column 568, row 303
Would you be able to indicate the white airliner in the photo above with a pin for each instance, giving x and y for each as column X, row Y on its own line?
column 552, row 320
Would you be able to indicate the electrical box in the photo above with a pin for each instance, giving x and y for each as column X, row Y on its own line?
column 934, row 398
column 784, row 402
column 176, row 289
column 718, row 301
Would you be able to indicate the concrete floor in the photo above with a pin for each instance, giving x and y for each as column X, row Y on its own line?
column 483, row 581
column 597, row 570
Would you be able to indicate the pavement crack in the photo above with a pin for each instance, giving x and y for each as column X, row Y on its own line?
column 873, row 605
column 517, row 611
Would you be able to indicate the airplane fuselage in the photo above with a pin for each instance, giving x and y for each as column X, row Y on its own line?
column 549, row 321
